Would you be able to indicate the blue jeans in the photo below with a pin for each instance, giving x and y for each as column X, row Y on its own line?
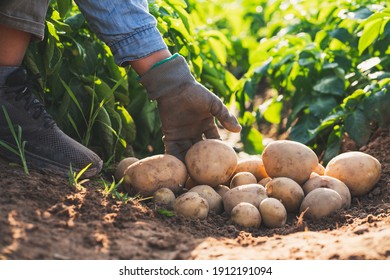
column 126, row 26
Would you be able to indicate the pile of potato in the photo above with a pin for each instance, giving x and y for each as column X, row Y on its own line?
column 286, row 178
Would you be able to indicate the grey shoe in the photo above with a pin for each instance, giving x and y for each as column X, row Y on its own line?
column 47, row 147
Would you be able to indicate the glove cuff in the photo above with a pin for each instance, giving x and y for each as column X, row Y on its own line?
column 167, row 77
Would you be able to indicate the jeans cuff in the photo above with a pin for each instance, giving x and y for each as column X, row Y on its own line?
column 137, row 45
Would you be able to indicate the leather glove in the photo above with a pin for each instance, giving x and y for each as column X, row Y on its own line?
column 187, row 109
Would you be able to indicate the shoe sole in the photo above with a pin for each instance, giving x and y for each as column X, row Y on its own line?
column 43, row 164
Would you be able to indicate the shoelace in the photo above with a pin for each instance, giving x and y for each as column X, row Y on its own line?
column 26, row 92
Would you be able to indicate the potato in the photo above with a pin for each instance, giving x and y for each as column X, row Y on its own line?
column 213, row 198
column 251, row 193
column 221, row 189
column 254, row 165
column 264, row 181
column 330, row 183
column 122, row 166
column 358, row 170
column 191, row 205
column 152, row 173
column 320, row 169
column 320, row 202
column 211, row 162
column 286, row 158
column 164, row 197
column 242, row 178
column 287, row 191
column 246, row 215
column 273, row 213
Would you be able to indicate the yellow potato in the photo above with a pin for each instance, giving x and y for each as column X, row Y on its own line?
column 149, row 174
column 221, row 189
column 213, row 198
column 211, row 162
column 164, row 197
column 254, row 165
column 320, row 202
column 191, row 205
column 358, row 170
column 246, row 215
column 320, row 169
column 251, row 193
column 242, row 178
column 330, row 183
column 264, row 181
column 122, row 166
column 287, row 191
column 273, row 213
column 286, row 158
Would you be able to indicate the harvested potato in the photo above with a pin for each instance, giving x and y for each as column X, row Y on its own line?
column 152, row 173
column 358, row 170
column 254, row 165
column 251, row 193
column 286, row 158
column 221, row 189
column 273, row 213
column 287, row 191
column 320, row 202
column 211, row 162
column 264, row 181
column 246, row 215
column 213, row 198
column 320, row 169
column 122, row 166
column 330, row 183
column 242, row 178
column 164, row 197
column 191, row 205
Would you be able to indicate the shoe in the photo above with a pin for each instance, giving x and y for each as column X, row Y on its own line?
column 47, row 147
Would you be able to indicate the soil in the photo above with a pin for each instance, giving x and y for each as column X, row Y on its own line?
column 43, row 217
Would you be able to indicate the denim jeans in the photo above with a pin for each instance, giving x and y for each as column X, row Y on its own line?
column 126, row 26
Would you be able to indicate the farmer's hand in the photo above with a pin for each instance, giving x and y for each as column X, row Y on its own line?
column 187, row 109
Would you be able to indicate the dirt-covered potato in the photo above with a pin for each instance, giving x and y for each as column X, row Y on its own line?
column 252, row 193
column 191, row 205
column 358, row 170
column 252, row 164
column 122, row 166
column 242, row 178
column 211, row 162
column 152, row 173
column 286, row 158
column 320, row 202
column 330, row 183
column 164, row 197
column 213, row 198
column 246, row 215
column 273, row 213
column 286, row 190
column 221, row 189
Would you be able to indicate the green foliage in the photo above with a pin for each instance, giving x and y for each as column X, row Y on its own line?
column 325, row 65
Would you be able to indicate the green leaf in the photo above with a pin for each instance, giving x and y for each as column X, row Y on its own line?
column 333, row 145
column 358, row 127
column 301, row 131
column 322, row 105
column 369, row 35
column 272, row 112
column 253, row 141
column 331, row 84
column 64, row 6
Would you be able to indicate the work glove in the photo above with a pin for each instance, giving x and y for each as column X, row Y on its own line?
column 186, row 108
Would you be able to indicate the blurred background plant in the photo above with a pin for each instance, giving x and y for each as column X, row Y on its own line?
column 312, row 71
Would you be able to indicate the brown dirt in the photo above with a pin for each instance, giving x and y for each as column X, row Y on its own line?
column 43, row 217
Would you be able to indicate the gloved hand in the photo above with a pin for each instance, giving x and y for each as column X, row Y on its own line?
column 187, row 109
